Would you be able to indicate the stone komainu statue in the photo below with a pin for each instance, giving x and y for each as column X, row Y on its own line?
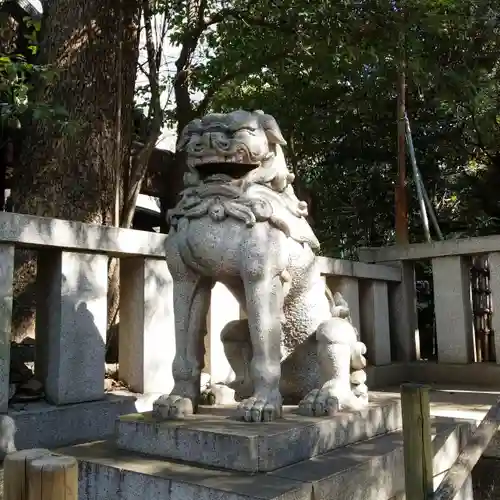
column 240, row 223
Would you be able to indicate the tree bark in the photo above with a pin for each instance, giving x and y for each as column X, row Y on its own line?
column 71, row 175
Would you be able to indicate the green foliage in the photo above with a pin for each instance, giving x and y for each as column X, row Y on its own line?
column 328, row 72
column 20, row 80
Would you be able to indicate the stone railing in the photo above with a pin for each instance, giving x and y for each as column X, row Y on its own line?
column 451, row 264
column 368, row 288
column 71, row 311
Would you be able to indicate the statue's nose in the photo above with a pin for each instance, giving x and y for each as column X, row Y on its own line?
column 207, row 140
column 212, row 139
column 220, row 139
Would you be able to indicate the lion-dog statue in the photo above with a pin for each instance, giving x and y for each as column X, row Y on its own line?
column 239, row 222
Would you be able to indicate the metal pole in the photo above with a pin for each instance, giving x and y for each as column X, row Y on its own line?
column 432, row 213
column 418, row 181
column 402, row 237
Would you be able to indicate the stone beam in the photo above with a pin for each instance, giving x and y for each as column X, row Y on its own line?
column 361, row 270
column 29, row 231
column 420, row 251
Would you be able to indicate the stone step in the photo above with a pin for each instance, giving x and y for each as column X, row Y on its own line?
column 369, row 470
column 42, row 425
column 215, row 438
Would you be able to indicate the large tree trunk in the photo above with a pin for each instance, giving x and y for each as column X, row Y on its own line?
column 71, row 175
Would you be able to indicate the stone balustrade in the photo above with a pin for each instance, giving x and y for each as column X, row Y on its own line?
column 71, row 313
column 451, row 263
column 368, row 288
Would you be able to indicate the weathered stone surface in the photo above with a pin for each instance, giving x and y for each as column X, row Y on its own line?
column 224, row 307
column 370, row 470
column 215, row 438
column 374, row 302
column 423, row 251
column 361, row 270
column 7, row 435
column 71, row 325
column 403, row 314
column 6, row 292
column 40, row 425
column 42, row 232
column 374, row 469
column 453, row 309
column 106, row 473
column 349, row 288
column 494, row 266
column 240, row 223
column 147, row 326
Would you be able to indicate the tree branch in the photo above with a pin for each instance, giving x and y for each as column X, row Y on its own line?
column 143, row 70
column 243, row 16
column 202, row 106
column 141, row 161
column 163, row 34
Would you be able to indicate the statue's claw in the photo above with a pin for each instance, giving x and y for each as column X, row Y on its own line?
column 262, row 408
column 318, row 403
column 171, row 406
column 328, row 401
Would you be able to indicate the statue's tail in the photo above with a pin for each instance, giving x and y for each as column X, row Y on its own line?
column 340, row 309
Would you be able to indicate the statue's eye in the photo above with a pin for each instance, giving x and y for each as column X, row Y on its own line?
column 250, row 130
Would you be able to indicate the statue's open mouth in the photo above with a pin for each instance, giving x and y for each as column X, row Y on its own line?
column 232, row 169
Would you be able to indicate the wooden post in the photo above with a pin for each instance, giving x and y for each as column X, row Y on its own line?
column 40, row 475
column 15, row 466
column 53, row 477
column 417, row 442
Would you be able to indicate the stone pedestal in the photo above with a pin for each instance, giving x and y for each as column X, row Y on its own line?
column 147, row 327
column 349, row 288
column 403, row 318
column 6, row 293
column 375, row 330
column 71, row 323
column 223, row 308
column 494, row 263
column 215, row 438
column 453, row 309
column 209, row 447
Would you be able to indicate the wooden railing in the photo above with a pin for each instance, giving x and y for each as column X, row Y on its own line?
column 418, row 451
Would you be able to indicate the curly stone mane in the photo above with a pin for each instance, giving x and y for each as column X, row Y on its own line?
column 264, row 193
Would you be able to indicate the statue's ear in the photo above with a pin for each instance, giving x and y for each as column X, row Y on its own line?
column 192, row 127
column 271, row 128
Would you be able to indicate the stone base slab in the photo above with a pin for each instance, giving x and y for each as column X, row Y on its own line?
column 215, row 438
column 368, row 470
column 41, row 425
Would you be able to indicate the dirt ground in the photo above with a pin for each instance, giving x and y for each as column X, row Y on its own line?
column 486, row 479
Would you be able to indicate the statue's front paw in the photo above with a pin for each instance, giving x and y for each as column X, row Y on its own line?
column 319, row 403
column 328, row 401
column 171, row 406
column 261, row 408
